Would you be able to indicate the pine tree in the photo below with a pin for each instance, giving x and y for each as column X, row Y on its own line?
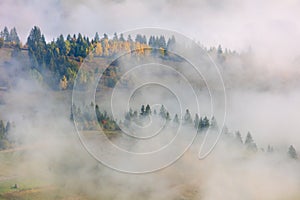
column 115, row 38
column 219, row 51
column 196, row 121
column 171, row 43
column 122, row 38
column 162, row 112
column 148, row 110
column 2, row 130
column 249, row 139
column 249, row 142
column 213, row 123
column 176, row 119
column 7, row 128
column 238, row 137
column 292, row 152
column 5, row 34
column 96, row 38
column 205, row 123
column 37, row 47
column 168, row 117
column 142, row 110
column 13, row 36
column 129, row 39
column 98, row 114
column 187, row 117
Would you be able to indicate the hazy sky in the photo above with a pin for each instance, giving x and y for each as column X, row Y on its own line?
column 270, row 25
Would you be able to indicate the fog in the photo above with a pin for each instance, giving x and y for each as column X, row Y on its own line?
column 270, row 28
column 262, row 97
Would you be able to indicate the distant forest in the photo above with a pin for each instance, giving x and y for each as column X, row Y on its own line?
column 56, row 63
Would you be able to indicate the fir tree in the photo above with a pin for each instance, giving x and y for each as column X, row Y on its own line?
column 292, row 152
column 176, row 119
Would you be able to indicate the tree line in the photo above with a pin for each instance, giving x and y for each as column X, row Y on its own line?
column 5, row 129
column 62, row 57
column 9, row 38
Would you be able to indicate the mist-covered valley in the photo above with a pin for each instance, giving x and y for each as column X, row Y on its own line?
column 95, row 103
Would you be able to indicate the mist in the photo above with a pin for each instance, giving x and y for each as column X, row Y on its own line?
column 269, row 28
column 261, row 82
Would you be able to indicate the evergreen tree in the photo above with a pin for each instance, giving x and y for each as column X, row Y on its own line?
column 171, row 43
column 176, row 119
column 219, row 51
column 162, row 112
column 200, row 125
column 129, row 39
column 249, row 139
column 196, row 121
column 13, row 36
column 115, row 38
column 122, row 38
column 96, row 38
column 213, row 123
column 292, row 152
column 148, row 110
column 8, row 127
column 60, row 42
column 143, row 110
column 249, row 142
column 98, row 114
column 238, row 137
column 5, row 34
column 205, row 123
column 2, row 130
column 37, row 47
column 168, row 116
column 187, row 117
column 162, row 42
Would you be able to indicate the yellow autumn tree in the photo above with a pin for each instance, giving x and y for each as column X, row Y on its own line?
column 63, row 83
column 105, row 45
column 98, row 49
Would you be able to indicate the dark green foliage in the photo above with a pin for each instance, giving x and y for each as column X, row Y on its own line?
column 4, row 135
column 142, row 110
column 36, row 47
column 2, row 130
column 105, row 121
column 292, row 152
column 203, row 123
column 148, row 110
column 187, row 117
column 5, row 34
